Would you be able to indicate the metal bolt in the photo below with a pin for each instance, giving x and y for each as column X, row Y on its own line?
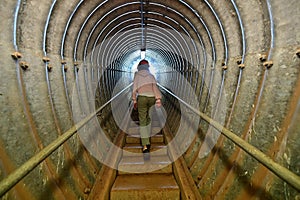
column 16, row 55
column 46, row 59
column 24, row 65
column 49, row 67
column 242, row 66
column 263, row 57
column 65, row 68
column 298, row 53
column 268, row 64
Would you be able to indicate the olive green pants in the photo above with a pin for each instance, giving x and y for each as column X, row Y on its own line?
column 144, row 105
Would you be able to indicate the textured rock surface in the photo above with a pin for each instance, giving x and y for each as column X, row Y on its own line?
column 38, row 105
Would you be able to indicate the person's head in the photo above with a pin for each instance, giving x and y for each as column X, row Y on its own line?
column 143, row 65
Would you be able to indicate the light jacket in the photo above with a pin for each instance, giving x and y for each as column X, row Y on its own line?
column 144, row 84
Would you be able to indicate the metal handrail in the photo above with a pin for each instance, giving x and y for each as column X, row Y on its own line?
column 284, row 173
column 16, row 176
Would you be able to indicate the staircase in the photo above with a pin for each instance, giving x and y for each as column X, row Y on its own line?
column 142, row 178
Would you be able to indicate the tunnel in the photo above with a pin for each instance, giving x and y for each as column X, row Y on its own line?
column 228, row 72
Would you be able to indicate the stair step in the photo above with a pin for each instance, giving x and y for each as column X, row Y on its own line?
column 156, row 148
column 134, row 123
column 135, row 130
column 137, row 164
column 153, row 186
column 154, row 123
column 135, row 139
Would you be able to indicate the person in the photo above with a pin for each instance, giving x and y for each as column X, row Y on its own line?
column 145, row 94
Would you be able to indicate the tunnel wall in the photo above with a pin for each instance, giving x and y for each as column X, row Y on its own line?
column 261, row 113
column 36, row 108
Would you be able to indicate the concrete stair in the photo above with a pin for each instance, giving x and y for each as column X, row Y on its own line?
column 156, row 148
column 135, row 139
column 154, row 186
column 136, row 131
column 137, row 164
column 139, row 178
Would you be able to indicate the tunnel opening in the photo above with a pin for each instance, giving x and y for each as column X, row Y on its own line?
column 71, row 58
column 121, row 72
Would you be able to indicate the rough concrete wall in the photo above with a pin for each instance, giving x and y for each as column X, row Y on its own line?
column 36, row 104
column 35, row 111
column 263, row 109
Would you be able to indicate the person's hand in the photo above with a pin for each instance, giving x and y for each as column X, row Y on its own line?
column 158, row 103
column 135, row 106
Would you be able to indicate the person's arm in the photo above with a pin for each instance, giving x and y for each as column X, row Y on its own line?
column 157, row 93
column 134, row 91
column 158, row 103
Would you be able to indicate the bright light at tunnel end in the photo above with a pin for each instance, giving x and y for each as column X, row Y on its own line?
column 153, row 65
column 143, row 54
